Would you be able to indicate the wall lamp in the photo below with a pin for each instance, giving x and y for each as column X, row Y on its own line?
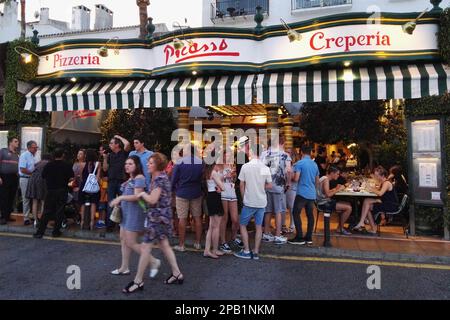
column 292, row 34
column 178, row 43
column 410, row 26
column 27, row 56
column 103, row 50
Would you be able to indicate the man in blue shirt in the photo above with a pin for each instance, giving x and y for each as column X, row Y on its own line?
column 143, row 154
column 307, row 176
column 187, row 176
column 26, row 168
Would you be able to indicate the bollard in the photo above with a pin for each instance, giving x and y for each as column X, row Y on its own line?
column 326, row 229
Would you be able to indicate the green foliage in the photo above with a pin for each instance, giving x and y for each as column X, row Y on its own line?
column 444, row 36
column 69, row 147
column 429, row 220
column 348, row 122
column 14, row 101
column 438, row 106
column 155, row 126
column 393, row 148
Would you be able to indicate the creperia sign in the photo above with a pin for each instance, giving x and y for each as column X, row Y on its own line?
column 237, row 51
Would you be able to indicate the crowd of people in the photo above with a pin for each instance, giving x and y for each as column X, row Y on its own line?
column 158, row 198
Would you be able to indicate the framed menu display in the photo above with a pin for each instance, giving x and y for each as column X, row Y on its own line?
column 35, row 134
column 3, row 139
column 426, row 161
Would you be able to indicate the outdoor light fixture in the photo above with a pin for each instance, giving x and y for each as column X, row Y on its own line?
column 410, row 26
column 347, row 63
column 27, row 56
column 103, row 50
column 178, row 43
column 73, row 79
column 194, row 73
column 292, row 34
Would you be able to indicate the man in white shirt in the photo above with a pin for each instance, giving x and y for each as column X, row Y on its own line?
column 254, row 179
column 27, row 161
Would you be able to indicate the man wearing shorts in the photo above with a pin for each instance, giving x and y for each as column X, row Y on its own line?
column 254, row 179
column 279, row 163
column 187, row 177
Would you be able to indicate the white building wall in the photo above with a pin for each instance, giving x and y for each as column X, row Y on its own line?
column 283, row 9
column 122, row 33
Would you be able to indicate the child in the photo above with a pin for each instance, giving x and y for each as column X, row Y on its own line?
column 103, row 203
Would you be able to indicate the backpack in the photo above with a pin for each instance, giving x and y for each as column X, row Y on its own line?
column 92, row 185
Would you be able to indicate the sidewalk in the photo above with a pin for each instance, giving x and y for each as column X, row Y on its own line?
column 391, row 246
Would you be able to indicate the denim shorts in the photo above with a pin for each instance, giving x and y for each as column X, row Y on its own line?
column 248, row 212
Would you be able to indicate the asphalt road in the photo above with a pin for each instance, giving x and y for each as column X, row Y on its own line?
column 36, row 269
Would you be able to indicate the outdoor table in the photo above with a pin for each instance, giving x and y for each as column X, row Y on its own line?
column 354, row 196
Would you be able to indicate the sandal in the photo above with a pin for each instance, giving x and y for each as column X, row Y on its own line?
column 120, row 273
column 133, row 287
column 175, row 280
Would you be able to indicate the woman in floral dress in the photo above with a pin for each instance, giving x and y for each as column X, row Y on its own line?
column 158, row 226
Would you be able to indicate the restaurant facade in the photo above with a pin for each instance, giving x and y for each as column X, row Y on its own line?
column 256, row 72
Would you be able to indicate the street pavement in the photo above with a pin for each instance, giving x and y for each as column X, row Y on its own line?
column 36, row 269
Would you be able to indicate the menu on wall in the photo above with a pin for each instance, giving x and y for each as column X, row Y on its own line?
column 427, row 161
column 3, row 139
column 428, row 175
column 426, row 136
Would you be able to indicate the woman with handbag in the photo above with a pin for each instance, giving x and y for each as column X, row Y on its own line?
column 133, row 215
column 89, row 196
column 158, row 226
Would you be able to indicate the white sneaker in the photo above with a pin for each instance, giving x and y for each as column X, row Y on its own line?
column 155, row 269
column 267, row 237
column 280, row 240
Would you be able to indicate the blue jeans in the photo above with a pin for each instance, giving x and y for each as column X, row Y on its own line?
column 113, row 192
column 308, row 204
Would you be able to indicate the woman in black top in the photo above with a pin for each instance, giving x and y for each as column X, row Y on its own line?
column 387, row 203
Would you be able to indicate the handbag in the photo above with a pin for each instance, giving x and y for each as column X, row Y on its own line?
column 92, row 185
column 116, row 215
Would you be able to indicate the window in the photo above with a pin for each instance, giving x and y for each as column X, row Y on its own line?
column 234, row 8
column 307, row 4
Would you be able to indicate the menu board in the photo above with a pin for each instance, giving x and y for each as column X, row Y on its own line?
column 426, row 136
column 3, row 139
column 35, row 134
column 427, row 166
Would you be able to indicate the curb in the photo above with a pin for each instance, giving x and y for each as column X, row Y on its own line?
column 268, row 249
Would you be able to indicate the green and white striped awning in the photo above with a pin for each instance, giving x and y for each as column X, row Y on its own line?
column 354, row 84
column 151, row 93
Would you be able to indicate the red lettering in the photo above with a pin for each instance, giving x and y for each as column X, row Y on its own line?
column 349, row 42
column 213, row 46
column 76, row 61
column 96, row 60
column 339, row 42
column 223, row 45
column 56, row 59
column 169, row 52
column 196, row 51
column 319, row 35
column 386, row 41
column 361, row 39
